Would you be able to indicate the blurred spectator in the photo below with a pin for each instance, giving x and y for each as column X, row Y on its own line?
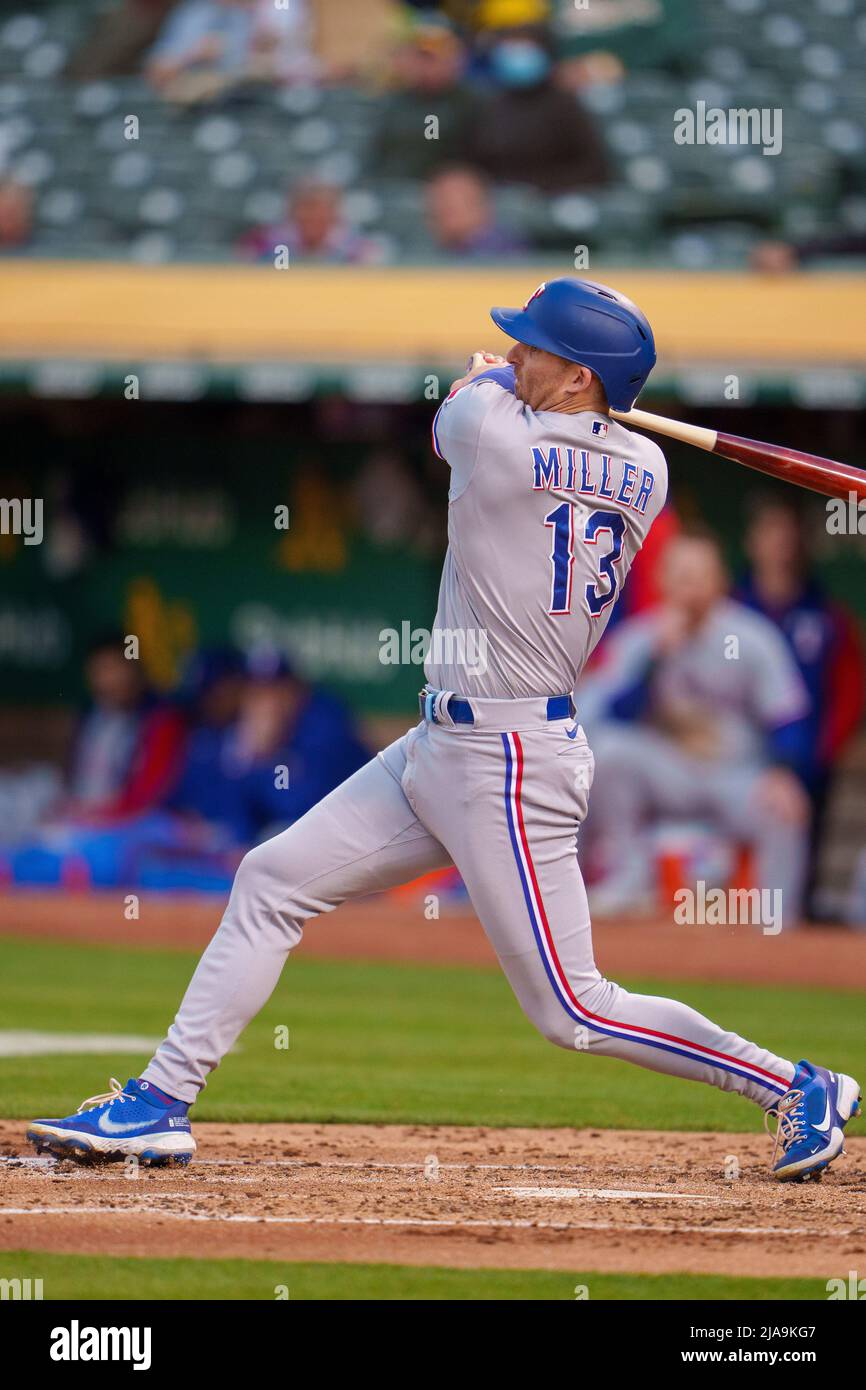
column 284, row 723
column 128, row 748
column 499, row 14
column 126, row 756
column 314, row 230
column 708, row 720
column 822, row 635
column 462, row 219
column 146, row 804
column 208, row 794
column 774, row 258
column 264, row 750
column 783, row 258
column 426, row 121
column 16, row 216
column 27, row 795
column 212, row 688
column 203, row 47
column 114, row 46
column 528, row 130
column 281, row 43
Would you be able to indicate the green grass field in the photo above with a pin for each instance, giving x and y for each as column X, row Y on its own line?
column 390, row 1043
column 98, row 1277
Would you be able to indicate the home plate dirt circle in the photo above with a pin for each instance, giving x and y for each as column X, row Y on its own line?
column 445, row 1195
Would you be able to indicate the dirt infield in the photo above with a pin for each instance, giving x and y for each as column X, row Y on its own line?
column 394, row 927
column 516, row 1198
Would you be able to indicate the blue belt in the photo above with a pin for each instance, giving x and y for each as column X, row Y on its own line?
column 460, row 710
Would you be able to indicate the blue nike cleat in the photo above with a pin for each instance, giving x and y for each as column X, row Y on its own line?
column 132, row 1120
column 811, row 1119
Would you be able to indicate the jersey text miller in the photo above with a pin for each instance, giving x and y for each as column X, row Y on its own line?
column 591, row 475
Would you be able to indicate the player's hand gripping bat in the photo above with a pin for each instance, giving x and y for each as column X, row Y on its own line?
column 805, row 470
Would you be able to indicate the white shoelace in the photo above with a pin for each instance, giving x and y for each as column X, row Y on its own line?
column 116, row 1093
column 790, row 1127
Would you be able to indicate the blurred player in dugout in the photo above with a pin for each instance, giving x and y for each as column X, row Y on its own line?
column 719, row 711
column 822, row 635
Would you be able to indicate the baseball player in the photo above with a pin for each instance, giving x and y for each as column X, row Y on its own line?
column 549, row 502
column 685, row 731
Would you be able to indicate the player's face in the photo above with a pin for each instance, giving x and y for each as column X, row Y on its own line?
column 113, row 681
column 457, row 207
column 540, row 378
column 315, row 212
column 774, row 540
column 693, row 577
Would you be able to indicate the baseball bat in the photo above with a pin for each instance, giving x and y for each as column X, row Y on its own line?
column 827, row 476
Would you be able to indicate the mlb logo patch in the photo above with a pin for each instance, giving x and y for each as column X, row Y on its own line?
column 600, row 428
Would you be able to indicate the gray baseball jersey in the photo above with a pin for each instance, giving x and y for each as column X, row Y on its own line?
column 546, row 514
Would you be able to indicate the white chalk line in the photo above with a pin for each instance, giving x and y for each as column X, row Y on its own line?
column 26, row 1043
column 607, row 1194
column 446, row 1223
column 417, row 1165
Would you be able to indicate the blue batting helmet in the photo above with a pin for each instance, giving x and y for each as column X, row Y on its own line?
column 589, row 324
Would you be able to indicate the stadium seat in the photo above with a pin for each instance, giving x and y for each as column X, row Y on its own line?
column 230, row 165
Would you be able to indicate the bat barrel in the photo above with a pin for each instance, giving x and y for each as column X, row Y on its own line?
column 826, row 476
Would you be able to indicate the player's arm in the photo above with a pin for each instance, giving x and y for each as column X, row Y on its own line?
column 620, row 686
column 782, row 702
column 459, row 421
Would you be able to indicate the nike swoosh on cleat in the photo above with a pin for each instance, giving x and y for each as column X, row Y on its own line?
column 107, row 1126
column 825, row 1123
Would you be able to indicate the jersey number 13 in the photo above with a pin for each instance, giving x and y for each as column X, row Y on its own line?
column 599, row 593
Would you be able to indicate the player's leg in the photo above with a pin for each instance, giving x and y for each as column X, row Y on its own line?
column 639, row 776
column 780, row 840
column 512, row 834
column 362, row 838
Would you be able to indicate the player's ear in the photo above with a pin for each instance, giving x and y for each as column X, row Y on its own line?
column 580, row 379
